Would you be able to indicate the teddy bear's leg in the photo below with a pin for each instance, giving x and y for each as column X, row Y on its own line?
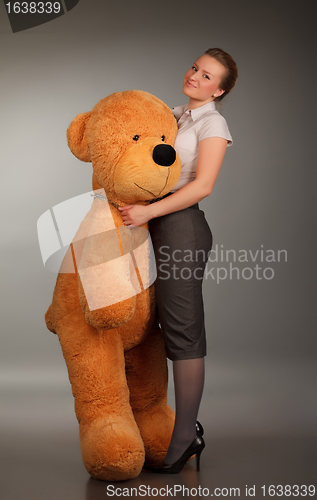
column 111, row 444
column 147, row 376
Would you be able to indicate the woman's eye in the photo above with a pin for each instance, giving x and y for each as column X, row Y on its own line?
column 194, row 67
column 206, row 76
column 136, row 138
column 163, row 137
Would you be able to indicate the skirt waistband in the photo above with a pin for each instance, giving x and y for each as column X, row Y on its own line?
column 161, row 198
column 168, row 194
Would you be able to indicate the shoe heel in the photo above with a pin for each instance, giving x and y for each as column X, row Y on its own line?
column 198, row 461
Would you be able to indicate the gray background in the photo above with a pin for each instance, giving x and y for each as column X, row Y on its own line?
column 259, row 408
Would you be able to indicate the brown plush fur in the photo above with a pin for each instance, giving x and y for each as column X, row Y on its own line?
column 115, row 355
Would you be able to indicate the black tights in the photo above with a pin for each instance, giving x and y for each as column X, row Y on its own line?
column 189, row 376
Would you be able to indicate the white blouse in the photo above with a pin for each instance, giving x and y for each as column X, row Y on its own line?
column 194, row 125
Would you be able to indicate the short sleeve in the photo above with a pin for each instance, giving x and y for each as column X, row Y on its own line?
column 214, row 125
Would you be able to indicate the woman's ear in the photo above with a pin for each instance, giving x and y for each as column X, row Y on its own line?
column 220, row 92
column 76, row 137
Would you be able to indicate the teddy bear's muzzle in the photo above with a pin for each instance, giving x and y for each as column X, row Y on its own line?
column 147, row 170
column 164, row 155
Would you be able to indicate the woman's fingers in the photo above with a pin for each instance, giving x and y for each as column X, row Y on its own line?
column 124, row 214
column 126, row 221
column 125, row 208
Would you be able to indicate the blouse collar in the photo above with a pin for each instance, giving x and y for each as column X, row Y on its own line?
column 202, row 110
column 194, row 113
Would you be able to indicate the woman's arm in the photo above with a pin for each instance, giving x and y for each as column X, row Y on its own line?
column 210, row 157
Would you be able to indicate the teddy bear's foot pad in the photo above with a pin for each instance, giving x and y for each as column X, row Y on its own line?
column 112, row 449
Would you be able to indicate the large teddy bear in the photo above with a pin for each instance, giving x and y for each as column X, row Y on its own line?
column 103, row 307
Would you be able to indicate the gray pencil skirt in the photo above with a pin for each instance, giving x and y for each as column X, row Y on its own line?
column 182, row 241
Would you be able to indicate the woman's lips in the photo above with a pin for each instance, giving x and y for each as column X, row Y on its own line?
column 190, row 84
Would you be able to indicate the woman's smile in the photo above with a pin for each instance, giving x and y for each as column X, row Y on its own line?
column 190, row 84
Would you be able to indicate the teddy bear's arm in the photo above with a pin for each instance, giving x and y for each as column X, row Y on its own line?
column 108, row 317
column 107, row 293
column 107, row 281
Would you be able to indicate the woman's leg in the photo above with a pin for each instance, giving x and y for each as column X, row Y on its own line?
column 189, row 375
column 178, row 287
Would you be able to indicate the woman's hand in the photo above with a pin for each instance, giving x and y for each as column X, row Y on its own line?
column 135, row 215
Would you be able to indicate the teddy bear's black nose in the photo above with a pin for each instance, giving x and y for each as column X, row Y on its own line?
column 164, row 155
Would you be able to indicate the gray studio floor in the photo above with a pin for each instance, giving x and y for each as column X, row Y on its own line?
column 260, row 426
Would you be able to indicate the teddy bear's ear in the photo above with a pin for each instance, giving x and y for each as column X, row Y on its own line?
column 76, row 137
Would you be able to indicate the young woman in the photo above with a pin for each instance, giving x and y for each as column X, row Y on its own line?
column 182, row 240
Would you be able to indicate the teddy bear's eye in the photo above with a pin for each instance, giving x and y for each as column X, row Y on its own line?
column 136, row 138
column 163, row 137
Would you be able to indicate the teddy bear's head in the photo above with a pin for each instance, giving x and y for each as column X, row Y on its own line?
column 128, row 137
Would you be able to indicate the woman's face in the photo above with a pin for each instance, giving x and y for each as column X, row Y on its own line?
column 203, row 79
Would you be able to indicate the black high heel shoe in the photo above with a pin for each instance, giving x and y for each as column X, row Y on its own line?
column 199, row 428
column 195, row 448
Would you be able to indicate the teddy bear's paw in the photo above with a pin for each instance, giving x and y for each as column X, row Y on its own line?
column 112, row 449
column 156, row 427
